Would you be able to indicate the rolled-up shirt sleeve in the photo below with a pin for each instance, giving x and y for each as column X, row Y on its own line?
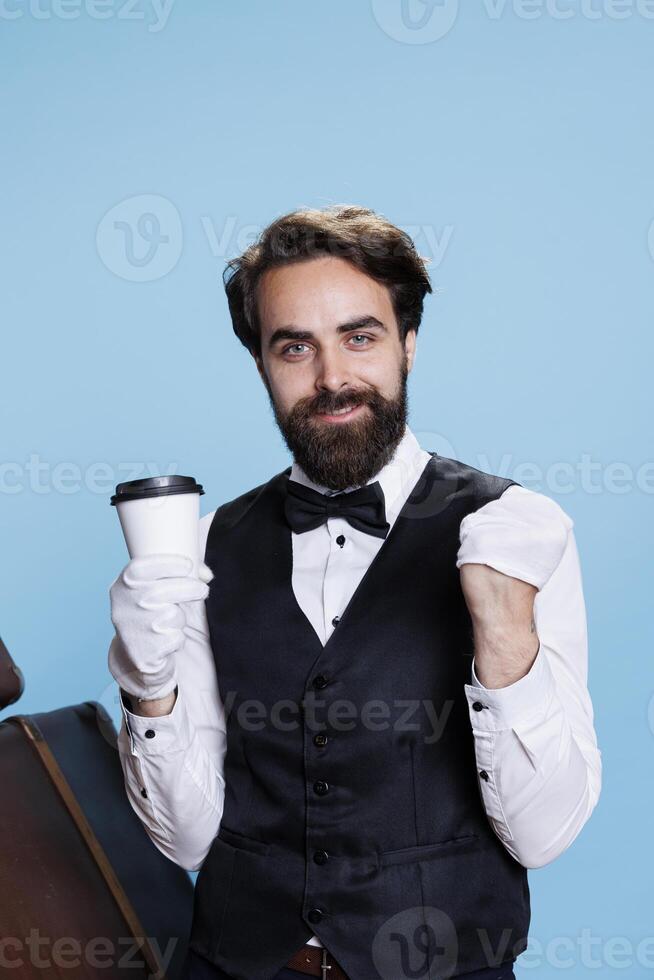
column 173, row 764
column 539, row 765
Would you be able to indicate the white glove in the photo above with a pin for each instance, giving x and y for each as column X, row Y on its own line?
column 147, row 610
column 522, row 534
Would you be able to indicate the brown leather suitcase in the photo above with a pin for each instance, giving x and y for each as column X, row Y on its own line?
column 11, row 679
column 84, row 892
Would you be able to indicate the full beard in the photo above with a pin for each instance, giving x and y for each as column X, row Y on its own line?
column 345, row 455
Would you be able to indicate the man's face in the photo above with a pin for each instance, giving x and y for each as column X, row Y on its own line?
column 330, row 339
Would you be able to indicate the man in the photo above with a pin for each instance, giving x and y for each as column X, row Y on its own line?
column 362, row 795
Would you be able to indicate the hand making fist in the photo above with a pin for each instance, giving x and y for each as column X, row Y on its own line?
column 509, row 549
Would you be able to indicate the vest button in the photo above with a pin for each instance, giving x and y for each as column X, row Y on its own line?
column 320, row 681
column 320, row 787
column 320, row 740
column 336, row 620
column 477, row 706
column 320, row 857
column 150, row 733
column 483, row 774
column 314, row 915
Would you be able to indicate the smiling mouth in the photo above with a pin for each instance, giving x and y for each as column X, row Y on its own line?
column 341, row 414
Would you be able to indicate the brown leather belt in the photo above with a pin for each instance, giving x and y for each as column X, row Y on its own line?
column 316, row 961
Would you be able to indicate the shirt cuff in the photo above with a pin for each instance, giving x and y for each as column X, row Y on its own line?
column 162, row 735
column 497, row 709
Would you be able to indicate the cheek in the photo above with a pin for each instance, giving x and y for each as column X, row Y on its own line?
column 288, row 386
column 381, row 373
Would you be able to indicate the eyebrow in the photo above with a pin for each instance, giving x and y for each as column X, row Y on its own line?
column 294, row 333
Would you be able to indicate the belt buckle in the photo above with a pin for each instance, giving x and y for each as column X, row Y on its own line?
column 324, row 965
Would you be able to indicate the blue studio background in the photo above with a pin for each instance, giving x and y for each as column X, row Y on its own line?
column 146, row 144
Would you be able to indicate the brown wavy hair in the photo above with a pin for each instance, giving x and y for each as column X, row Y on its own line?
column 360, row 236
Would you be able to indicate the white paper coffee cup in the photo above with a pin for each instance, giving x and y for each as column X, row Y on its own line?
column 160, row 515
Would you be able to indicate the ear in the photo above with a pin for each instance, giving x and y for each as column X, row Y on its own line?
column 410, row 347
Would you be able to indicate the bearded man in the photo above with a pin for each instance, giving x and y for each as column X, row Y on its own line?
column 368, row 715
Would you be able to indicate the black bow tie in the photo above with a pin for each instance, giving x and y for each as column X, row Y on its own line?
column 364, row 508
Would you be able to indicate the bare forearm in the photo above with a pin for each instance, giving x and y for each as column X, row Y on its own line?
column 150, row 709
column 503, row 656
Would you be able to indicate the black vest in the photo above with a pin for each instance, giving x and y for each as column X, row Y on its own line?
column 352, row 804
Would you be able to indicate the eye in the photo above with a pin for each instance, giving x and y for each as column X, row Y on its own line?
column 290, row 347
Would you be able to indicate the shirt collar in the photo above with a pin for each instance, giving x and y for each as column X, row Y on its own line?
column 396, row 478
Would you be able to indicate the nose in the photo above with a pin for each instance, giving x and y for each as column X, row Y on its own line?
column 332, row 371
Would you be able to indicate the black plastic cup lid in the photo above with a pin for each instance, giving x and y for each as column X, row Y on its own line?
column 155, row 486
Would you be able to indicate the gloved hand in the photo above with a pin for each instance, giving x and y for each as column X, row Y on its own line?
column 522, row 534
column 150, row 615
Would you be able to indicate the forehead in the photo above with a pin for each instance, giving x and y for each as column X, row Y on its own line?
column 324, row 291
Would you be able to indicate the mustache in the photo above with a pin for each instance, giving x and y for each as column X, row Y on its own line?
column 328, row 403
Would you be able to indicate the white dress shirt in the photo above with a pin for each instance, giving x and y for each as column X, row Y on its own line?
column 535, row 740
